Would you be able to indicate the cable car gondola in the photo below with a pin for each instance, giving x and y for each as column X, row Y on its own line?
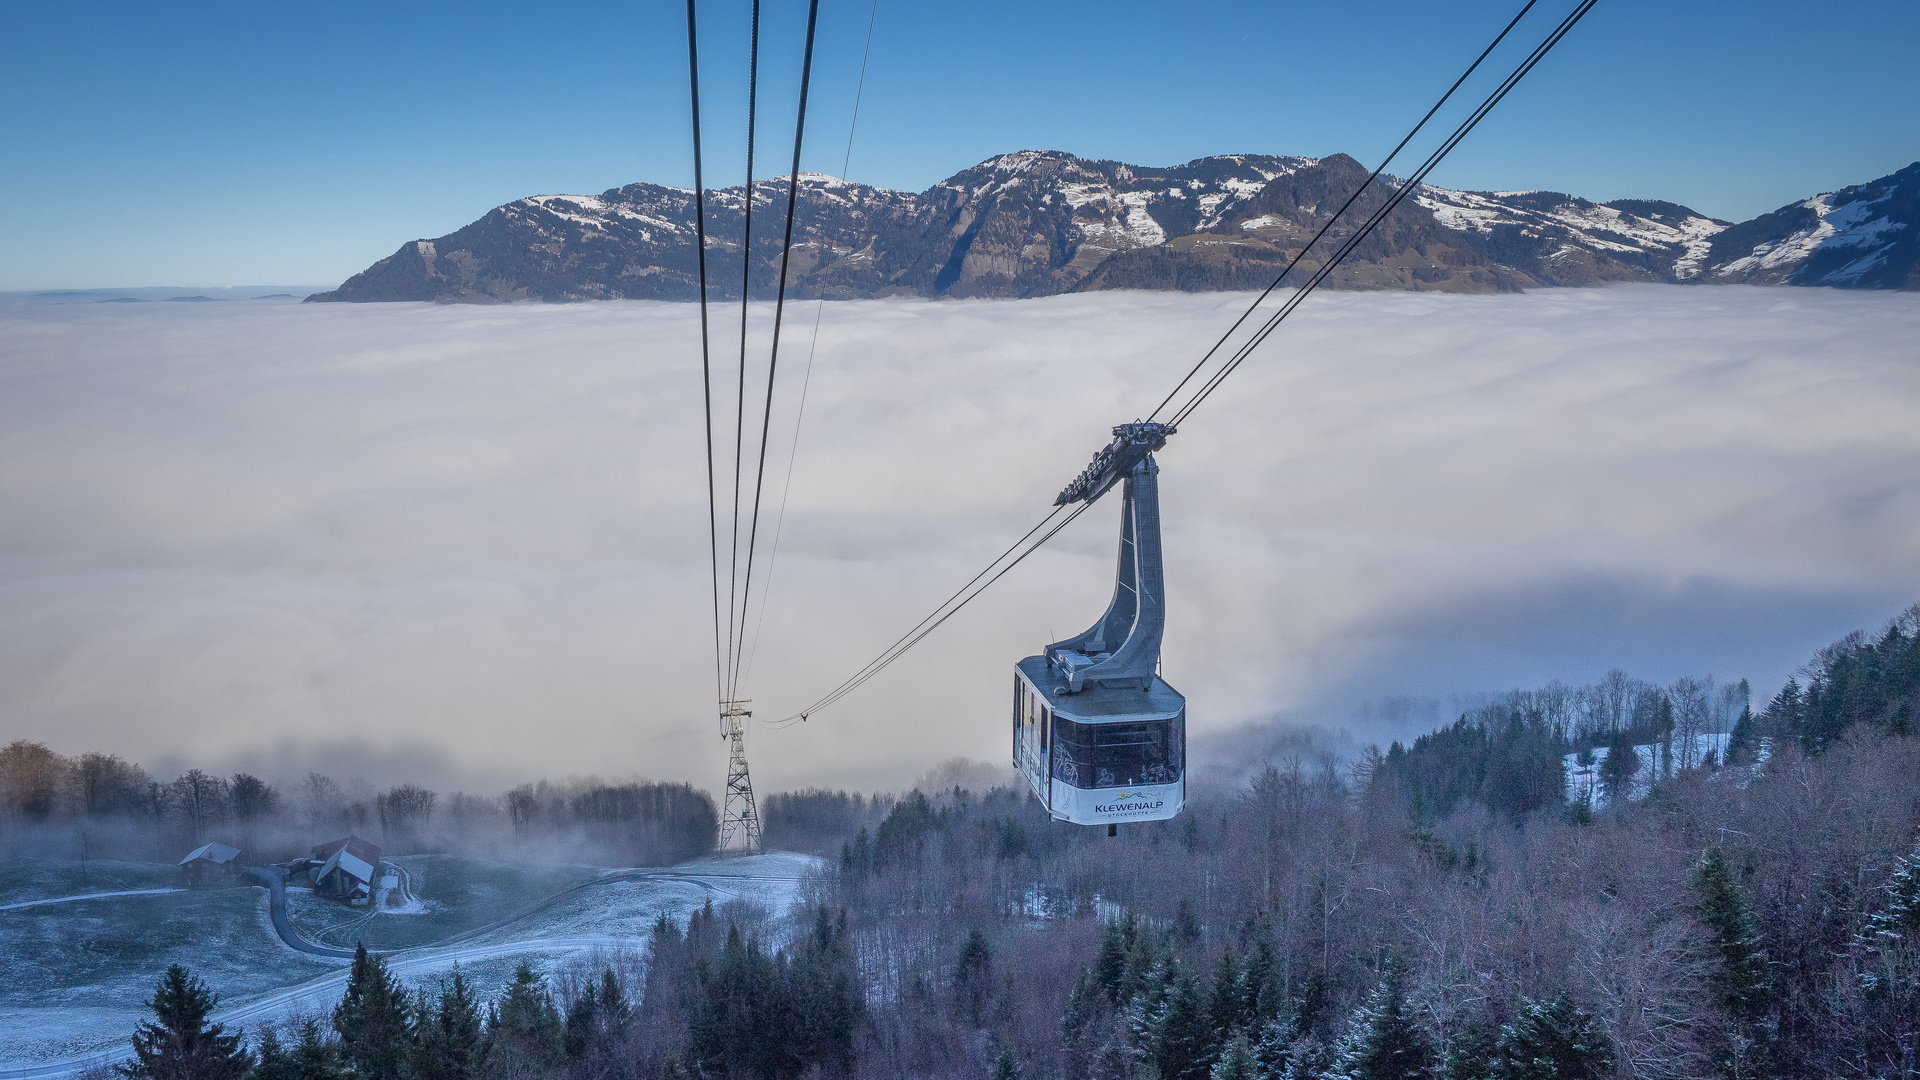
column 1099, row 735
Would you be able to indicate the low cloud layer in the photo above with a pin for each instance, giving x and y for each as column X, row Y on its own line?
column 469, row 544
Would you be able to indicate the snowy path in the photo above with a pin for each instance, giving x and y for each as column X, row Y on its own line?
column 626, row 903
column 86, row 896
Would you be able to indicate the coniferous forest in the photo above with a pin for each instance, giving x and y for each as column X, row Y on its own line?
column 1435, row 910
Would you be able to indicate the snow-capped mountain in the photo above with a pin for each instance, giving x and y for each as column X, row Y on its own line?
column 1861, row 237
column 1565, row 240
column 636, row 241
column 1040, row 222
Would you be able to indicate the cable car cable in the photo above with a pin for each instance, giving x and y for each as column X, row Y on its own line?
column 949, row 608
column 706, row 357
column 884, row 662
column 806, row 383
column 746, row 277
column 939, row 615
column 1407, row 188
column 1371, row 177
column 779, row 309
column 882, row 659
column 706, row 352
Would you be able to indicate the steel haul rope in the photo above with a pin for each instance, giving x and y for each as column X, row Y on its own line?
column 975, row 586
column 1406, row 188
column 779, row 308
column 706, row 353
column 740, row 406
column 806, row 378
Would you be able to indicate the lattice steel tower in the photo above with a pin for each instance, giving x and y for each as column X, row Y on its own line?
column 739, row 819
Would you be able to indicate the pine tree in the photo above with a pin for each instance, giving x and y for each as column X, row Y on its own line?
column 448, row 1033
column 1308, row 1059
column 596, row 1023
column 372, row 1019
column 1110, row 965
column 273, row 1061
column 1745, row 740
column 583, row 1024
column 525, row 1028
column 1472, row 1053
column 1786, row 713
column 1236, row 1061
column 616, row 1013
column 1079, row 1025
column 315, row 1057
column 179, row 1043
column 1260, row 994
column 1186, row 924
column 1181, row 1039
column 1120, row 1059
column 1274, row 1050
column 1383, row 1042
column 1898, row 920
column 1006, row 1066
column 821, row 1000
column 1145, row 960
column 973, row 976
column 1554, row 1041
column 1741, row 981
column 1617, row 769
column 1890, row 940
column 1227, row 1004
column 1666, row 737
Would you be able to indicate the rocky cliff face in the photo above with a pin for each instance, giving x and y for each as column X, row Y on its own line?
column 1041, row 222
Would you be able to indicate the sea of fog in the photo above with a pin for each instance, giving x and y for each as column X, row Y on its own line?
column 468, row 545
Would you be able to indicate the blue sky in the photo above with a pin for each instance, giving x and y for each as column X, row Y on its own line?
column 222, row 143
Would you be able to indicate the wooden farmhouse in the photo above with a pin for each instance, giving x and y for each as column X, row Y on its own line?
column 210, row 862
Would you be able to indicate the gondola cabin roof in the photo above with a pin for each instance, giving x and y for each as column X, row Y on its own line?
column 1098, row 703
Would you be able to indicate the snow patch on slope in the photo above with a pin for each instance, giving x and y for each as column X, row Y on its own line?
column 1862, row 223
column 1593, row 226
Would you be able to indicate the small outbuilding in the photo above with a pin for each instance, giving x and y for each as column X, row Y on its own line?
column 210, row 862
column 344, row 869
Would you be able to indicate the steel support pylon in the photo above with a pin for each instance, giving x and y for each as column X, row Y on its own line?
column 739, row 819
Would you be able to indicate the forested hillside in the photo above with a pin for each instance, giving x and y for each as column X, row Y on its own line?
column 1435, row 911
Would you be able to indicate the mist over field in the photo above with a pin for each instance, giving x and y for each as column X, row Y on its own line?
column 467, row 546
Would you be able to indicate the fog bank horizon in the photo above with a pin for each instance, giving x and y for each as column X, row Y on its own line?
column 467, row 546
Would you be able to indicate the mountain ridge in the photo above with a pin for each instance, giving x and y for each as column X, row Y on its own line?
column 1042, row 222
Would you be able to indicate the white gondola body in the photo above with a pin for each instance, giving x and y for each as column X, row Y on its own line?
column 1132, row 768
column 1099, row 735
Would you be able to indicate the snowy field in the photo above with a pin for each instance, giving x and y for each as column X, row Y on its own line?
column 1585, row 779
column 456, row 895
column 467, row 546
column 73, row 975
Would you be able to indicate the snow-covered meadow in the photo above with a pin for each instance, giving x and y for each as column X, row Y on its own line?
column 77, row 974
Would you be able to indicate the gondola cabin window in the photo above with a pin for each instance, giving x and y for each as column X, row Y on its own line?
column 1117, row 754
